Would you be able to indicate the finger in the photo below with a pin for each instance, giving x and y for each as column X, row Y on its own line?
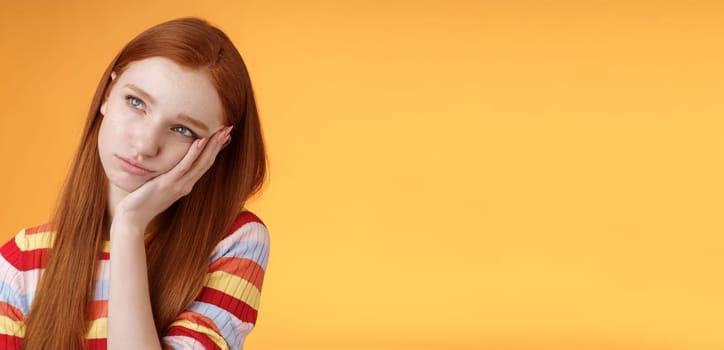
column 187, row 162
column 208, row 156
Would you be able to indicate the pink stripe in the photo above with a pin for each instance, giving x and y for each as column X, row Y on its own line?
column 243, row 268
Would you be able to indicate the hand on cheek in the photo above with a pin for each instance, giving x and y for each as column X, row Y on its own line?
column 139, row 207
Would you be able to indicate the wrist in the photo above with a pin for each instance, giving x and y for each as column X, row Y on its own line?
column 125, row 226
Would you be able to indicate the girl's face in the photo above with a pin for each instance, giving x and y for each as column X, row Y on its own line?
column 154, row 111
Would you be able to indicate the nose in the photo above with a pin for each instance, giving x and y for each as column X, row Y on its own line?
column 145, row 141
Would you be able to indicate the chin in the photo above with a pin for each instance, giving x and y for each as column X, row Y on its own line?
column 126, row 184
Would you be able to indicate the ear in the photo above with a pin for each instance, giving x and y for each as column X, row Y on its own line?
column 103, row 106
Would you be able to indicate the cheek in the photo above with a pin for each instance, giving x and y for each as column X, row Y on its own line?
column 174, row 152
column 111, row 132
column 104, row 135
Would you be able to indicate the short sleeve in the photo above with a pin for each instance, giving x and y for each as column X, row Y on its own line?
column 226, row 309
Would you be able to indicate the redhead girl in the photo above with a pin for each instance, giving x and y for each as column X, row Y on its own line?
column 150, row 246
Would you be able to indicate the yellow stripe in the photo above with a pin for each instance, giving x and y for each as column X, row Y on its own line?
column 10, row 327
column 215, row 337
column 34, row 241
column 235, row 286
column 44, row 240
column 98, row 329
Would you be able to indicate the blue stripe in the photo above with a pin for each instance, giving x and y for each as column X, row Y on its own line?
column 101, row 290
column 252, row 250
column 223, row 320
column 12, row 297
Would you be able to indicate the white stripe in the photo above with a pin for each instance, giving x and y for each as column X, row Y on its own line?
column 182, row 342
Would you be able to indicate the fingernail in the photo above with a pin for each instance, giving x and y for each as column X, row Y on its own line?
column 201, row 143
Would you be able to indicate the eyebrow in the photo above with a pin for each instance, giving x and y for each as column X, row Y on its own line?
column 195, row 122
column 185, row 117
column 141, row 92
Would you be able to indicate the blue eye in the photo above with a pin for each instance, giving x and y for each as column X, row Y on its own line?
column 184, row 131
column 134, row 101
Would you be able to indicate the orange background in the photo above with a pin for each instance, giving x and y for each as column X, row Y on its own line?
column 444, row 175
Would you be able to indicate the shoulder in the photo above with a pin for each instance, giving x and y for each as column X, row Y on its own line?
column 28, row 249
column 247, row 227
column 247, row 219
column 248, row 238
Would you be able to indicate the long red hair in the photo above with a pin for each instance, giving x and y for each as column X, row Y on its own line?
column 179, row 240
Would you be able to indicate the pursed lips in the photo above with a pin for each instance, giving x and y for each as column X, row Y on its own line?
column 132, row 167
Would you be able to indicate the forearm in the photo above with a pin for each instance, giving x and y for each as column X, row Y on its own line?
column 130, row 317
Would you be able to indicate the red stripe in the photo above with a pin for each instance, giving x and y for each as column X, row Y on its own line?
column 245, row 268
column 38, row 229
column 201, row 338
column 24, row 260
column 96, row 344
column 9, row 342
column 238, row 308
column 243, row 218
column 105, row 256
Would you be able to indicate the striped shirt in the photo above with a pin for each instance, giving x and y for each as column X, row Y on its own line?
column 221, row 317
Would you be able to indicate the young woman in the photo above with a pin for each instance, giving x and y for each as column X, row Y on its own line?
column 150, row 246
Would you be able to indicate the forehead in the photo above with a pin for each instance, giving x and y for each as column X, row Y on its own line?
column 175, row 89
